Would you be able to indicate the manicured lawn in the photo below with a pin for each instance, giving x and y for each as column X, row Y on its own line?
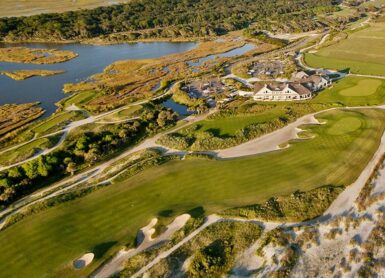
column 345, row 125
column 124, row 114
column 79, row 99
column 56, row 122
column 44, row 245
column 229, row 125
column 352, row 91
column 365, row 87
column 362, row 52
column 129, row 112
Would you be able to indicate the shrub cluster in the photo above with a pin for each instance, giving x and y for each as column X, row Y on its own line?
column 299, row 206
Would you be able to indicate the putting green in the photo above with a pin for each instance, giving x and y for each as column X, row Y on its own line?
column 354, row 91
column 45, row 244
column 366, row 87
column 345, row 125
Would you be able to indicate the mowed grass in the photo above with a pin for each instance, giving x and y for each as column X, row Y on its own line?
column 362, row 52
column 354, row 91
column 79, row 99
column 57, row 122
column 45, row 244
column 22, row 7
column 130, row 112
column 229, row 125
column 345, row 125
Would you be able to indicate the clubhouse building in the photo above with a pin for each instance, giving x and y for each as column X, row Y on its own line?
column 302, row 87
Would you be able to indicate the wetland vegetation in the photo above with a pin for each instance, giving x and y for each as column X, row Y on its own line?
column 24, row 74
column 35, row 56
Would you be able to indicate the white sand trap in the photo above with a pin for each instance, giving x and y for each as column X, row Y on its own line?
column 178, row 223
column 85, row 260
column 145, row 233
column 269, row 142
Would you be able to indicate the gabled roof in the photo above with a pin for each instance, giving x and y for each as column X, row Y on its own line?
column 258, row 87
column 315, row 79
column 300, row 75
column 296, row 87
column 299, row 89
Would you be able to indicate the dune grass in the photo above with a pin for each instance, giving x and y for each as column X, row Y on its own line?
column 362, row 52
column 354, row 91
column 46, row 243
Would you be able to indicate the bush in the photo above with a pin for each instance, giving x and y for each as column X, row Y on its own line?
column 299, row 206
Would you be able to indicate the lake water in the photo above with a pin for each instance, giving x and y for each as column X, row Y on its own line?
column 232, row 53
column 179, row 108
column 92, row 59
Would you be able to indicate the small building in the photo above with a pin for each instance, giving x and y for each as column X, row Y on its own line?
column 313, row 82
column 316, row 82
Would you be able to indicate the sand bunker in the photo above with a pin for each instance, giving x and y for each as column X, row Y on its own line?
column 85, row 260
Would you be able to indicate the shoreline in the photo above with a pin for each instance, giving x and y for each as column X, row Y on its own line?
column 94, row 41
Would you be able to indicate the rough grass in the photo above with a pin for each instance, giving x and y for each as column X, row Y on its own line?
column 354, row 91
column 46, row 243
column 362, row 52
column 26, row 151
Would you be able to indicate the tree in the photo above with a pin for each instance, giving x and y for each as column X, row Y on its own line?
column 5, row 182
column 30, row 169
column 82, row 143
column 71, row 168
column 92, row 155
column 43, row 167
column 8, row 193
column 15, row 172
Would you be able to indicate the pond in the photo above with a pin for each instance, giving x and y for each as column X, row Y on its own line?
column 179, row 108
column 92, row 59
column 232, row 53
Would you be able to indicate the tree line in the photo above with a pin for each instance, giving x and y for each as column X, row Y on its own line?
column 159, row 18
column 80, row 151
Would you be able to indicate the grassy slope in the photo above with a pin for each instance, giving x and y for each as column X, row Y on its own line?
column 26, row 151
column 229, row 125
column 354, row 91
column 48, row 242
column 30, row 7
column 362, row 52
column 57, row 122
column 79, row 99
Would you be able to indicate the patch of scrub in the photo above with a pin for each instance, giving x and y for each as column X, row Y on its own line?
column 364, row 87
column 83, row 261
column 345, row 125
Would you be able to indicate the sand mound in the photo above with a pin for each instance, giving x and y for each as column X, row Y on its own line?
column 85, row 260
